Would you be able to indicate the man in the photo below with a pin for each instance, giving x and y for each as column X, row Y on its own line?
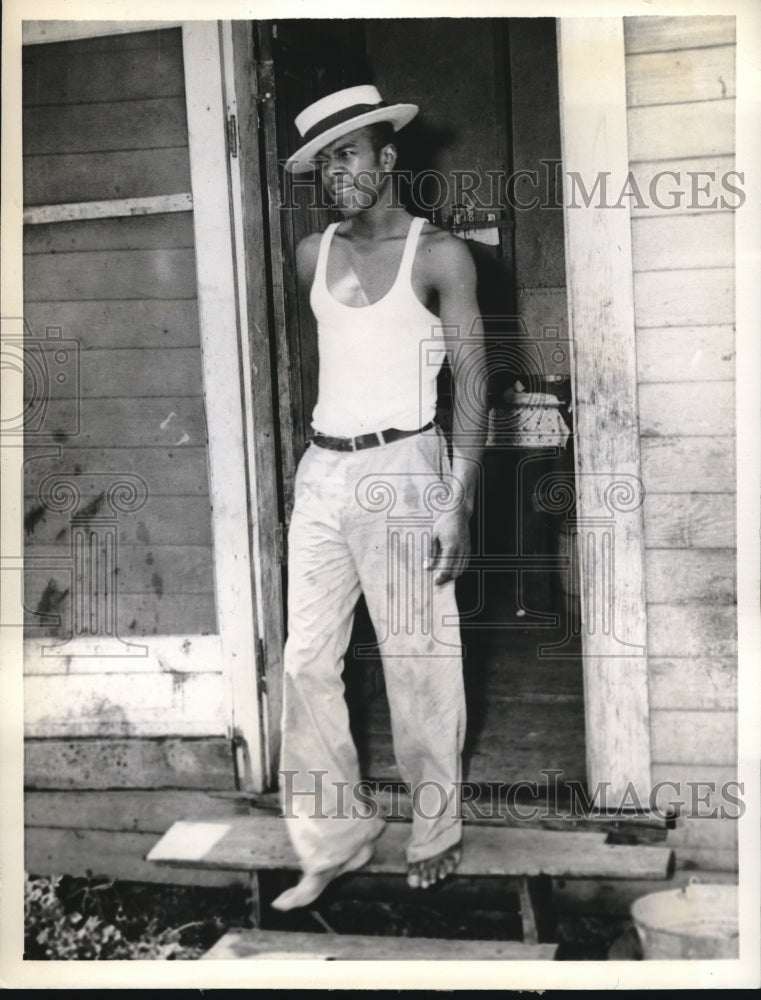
column 378, row 507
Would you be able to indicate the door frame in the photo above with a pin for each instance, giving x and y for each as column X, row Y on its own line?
column 235, row 650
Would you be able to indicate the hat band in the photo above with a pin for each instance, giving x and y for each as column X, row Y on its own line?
column 339, row 117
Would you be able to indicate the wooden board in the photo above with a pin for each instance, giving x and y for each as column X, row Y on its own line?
column 164, row 704
column 110, row 274
column 704, row 833
column 139, row 173
column 683, row 241
column 704, row 74
column 185, row 654
column 143, row 232
column 689, row 682
column 689, row 465
column 135, row 763
column 686, row 354
column 259, row 842
column 139, row 569
column 694, row 736
column 691, row 630
column 684, row 520
column 167, row 471
column 137, row 616
column 684, row 298
column 153, row 123
column 113, row 855
column 146, row 324
column 663, row 34
column 602, row 319
column 162, row 521
column 673, row 186
column 127, row 810
column 685, row 576
column 667, row 131
column 670, row 410
column 143, row 422
column 122, row 71
column 290, row 945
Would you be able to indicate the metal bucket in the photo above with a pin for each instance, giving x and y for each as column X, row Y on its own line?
column 698, row 921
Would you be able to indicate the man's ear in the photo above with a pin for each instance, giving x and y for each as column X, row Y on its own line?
column 388, row 156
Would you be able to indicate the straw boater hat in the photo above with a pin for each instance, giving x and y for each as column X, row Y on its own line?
column 341, row 113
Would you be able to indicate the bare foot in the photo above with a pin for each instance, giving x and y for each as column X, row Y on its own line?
column 429, row 871
column 311, row 886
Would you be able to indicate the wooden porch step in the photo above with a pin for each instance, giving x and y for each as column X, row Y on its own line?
column 260, row 841
column 296, row 945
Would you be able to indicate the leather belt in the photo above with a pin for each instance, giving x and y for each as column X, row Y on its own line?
column 366, row 440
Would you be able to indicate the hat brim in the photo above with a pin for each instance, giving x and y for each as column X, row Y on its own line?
column 398, row 115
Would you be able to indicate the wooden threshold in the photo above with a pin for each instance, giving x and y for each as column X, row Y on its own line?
column 259, row 842
column 260, row 944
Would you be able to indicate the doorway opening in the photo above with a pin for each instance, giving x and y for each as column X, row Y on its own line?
column 486, row 150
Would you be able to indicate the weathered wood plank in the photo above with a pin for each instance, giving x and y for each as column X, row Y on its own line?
column 686, row 354
column 684, row 298
column 172, row 230
column 684, row 521
column 704, row 832
column 71, row 177
column 688, row 465
column 97, row 36
column 597, row 897
column 184, row 654
column 221, row 300
column 704, row 74
column 691, row 630
column 167, row 471
column 546, row 309
column 693, row 682
column 129, row 374
column 166, row 704
column 105, row 853
column 668, row 131
column 289, row 945
column 658, row 33
column 127, row 810
column 700, row 790
column 683, row 241
column 55, row 75
column 139, row 569
column 143, row 422
column 120, row 208
column 690, row 859
column 672, row 410
column 693, row 736
column 136, row 615
column 110, row 274
column 153, row 123
column 599, row 266
column 162, row 521
column 260, row 842
column 686, row 184
column 140, row 324
column 686, row 576
column 101, row 764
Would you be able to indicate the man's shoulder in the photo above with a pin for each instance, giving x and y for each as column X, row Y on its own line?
column 444, row 252
column 307, row 252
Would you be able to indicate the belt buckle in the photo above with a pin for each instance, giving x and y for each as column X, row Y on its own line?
column 353, row 444
column 381, row 438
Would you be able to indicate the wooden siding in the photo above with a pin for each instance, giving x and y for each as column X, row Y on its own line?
column 680, row 89
column 123, row 292
column 98, row 805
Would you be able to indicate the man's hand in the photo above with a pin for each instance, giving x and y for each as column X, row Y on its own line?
column 450, row 546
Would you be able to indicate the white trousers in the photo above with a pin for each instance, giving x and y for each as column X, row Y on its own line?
column 362, row 522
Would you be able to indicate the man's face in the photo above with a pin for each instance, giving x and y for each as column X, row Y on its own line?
column 351, row 172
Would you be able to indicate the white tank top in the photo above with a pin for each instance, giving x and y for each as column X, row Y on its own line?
column 378, row 363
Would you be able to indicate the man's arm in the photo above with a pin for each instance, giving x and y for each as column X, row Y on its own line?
column 453, row 274
column 306, row 261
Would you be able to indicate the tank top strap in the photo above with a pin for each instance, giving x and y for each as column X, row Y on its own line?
column 410, row 246
column 321, row 268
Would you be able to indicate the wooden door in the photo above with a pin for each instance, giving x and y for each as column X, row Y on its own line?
column 140, row 608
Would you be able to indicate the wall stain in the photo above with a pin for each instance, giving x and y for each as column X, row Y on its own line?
column 158, row 584
column 32, row 519
column 51, row 598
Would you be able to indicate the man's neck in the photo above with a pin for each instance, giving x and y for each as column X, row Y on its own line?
column 376, row 223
